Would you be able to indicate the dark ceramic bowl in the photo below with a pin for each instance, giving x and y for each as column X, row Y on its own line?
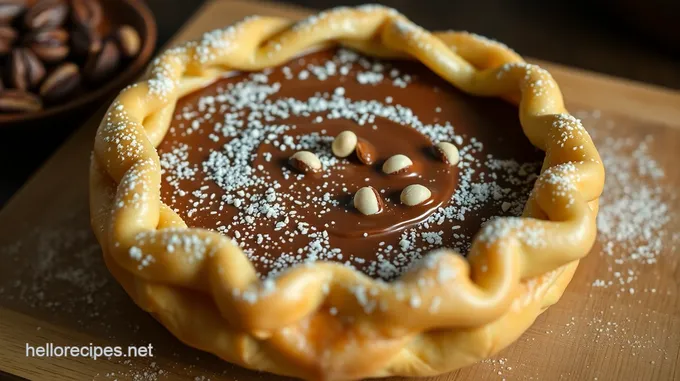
column 117, row 12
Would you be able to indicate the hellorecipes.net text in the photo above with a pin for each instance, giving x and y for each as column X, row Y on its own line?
column 92, row 351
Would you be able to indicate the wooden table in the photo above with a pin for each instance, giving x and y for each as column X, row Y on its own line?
column 54, row 287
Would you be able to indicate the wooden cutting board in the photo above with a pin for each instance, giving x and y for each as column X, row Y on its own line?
column 619, row 318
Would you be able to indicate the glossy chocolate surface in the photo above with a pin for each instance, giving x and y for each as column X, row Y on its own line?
column 225, row 168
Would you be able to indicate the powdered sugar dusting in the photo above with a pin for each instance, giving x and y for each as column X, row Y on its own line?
column 634, row 211
column 53, row 281
column 259, row 124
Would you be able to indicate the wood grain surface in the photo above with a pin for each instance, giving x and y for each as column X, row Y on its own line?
column 54, row 287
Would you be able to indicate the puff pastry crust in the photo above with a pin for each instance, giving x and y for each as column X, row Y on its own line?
column 517, row 267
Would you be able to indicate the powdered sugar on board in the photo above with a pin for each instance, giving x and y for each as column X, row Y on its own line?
column 56, row 274
column 51, row 280
column 635, row 218
column 614, row 310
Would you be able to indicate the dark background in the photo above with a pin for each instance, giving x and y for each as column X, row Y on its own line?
column 635, row 39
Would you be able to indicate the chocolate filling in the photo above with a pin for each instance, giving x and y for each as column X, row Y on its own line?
column 225, row 162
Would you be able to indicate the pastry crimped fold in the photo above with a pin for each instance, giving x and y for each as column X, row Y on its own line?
column 202, row 287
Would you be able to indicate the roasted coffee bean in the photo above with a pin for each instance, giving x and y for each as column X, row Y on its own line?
column 15, row 101
column 85, row 41
column 46, row 14
column 61, row 82
column 25, row 69
column 50, row 45
column 38, row 36
column 10, row 9
column 128, row 41
column 100, row 66
column 7, row 37
column 86, row 13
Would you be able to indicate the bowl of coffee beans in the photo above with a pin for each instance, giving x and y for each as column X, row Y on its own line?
column 57, row 56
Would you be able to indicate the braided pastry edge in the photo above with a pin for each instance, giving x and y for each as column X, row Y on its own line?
column 205, row 291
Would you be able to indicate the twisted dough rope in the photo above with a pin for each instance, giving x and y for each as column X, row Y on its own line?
column 203, row 288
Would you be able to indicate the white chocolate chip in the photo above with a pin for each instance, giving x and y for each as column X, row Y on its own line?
column 305, row 161
column 396, row 164
column 368, row 201
column 447, row 152
column 344, row 144
column 415, row 194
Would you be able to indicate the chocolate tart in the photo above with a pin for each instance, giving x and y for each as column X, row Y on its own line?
column 345, row 197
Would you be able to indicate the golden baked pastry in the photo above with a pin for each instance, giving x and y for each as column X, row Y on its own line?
column 223, row 285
